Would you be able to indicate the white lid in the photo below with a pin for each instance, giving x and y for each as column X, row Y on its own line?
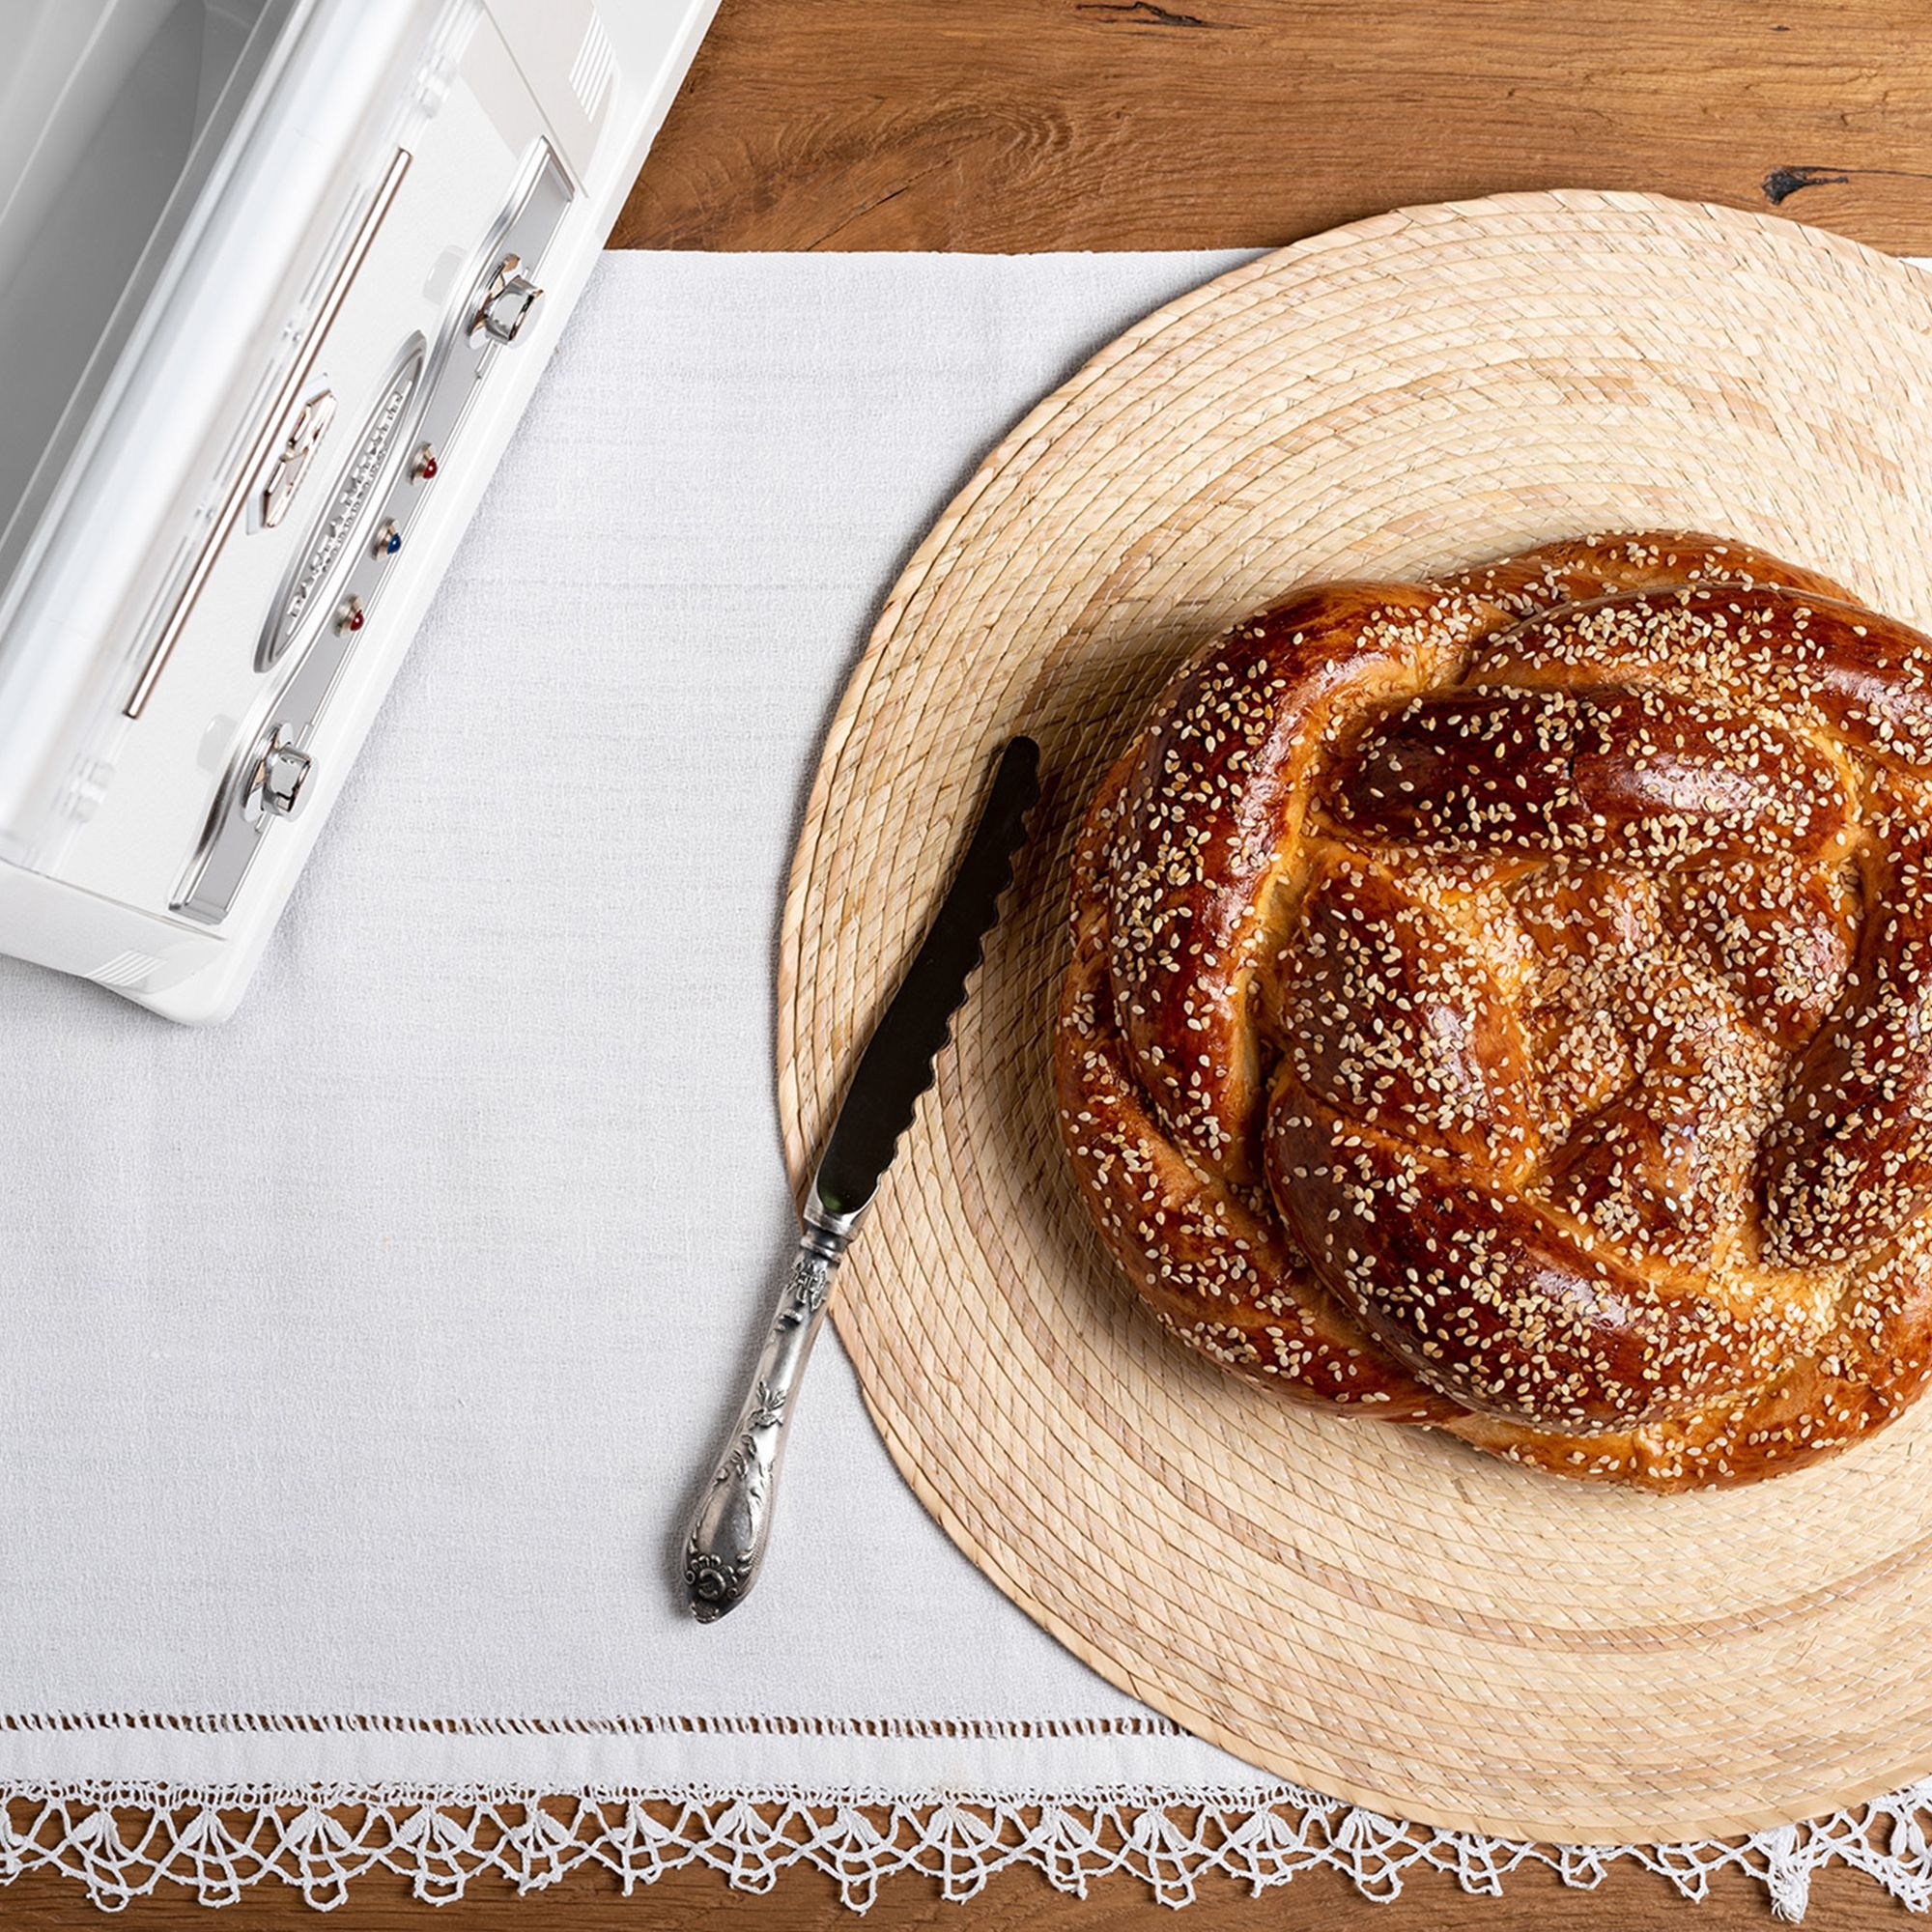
column 175, row 168
column 109, row 122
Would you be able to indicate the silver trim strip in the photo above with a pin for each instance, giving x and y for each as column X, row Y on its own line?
column 264, row 445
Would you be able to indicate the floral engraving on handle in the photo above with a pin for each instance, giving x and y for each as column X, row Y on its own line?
column 714, row 1585
column 810, row 1282
column 750, row 1458
column 768, row 1406
column 734, row 1518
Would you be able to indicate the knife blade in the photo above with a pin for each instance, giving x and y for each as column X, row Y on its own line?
column 731, row 1527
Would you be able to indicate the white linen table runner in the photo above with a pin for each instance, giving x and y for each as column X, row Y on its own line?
column 363, row 1354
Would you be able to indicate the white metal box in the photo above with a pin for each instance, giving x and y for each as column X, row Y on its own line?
column 280, row 278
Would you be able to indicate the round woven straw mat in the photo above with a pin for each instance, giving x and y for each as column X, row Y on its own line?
column 1378, row 1612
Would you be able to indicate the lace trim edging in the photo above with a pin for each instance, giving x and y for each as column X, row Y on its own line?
column 124, row 1841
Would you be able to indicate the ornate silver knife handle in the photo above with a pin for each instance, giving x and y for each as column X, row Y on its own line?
column 733, row 1522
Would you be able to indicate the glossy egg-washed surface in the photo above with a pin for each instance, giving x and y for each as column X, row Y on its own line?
column 1505, row 1004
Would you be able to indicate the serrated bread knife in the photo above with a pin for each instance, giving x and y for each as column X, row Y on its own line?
column 734, row 1520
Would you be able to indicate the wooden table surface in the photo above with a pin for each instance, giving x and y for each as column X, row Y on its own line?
column 1005, row 124
column 1017, row 124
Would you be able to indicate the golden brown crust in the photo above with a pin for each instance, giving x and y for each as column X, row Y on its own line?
column 1210, row 1258
column 1210, row 798
column 1849, row 1160
column 1505, row 1004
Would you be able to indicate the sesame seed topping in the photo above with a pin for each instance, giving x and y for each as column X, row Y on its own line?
column 1505, row 1004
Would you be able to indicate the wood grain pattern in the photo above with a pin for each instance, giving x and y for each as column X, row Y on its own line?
column 806, row 1901
column 1019, row 124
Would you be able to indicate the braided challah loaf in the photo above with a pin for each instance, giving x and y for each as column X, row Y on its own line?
column 1505, row 1004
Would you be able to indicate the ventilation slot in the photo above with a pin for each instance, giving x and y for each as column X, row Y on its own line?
column 125, row 969
column 591, row 71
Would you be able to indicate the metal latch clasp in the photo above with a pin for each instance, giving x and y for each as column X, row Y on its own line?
column 286, row 473
column 506, row 304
